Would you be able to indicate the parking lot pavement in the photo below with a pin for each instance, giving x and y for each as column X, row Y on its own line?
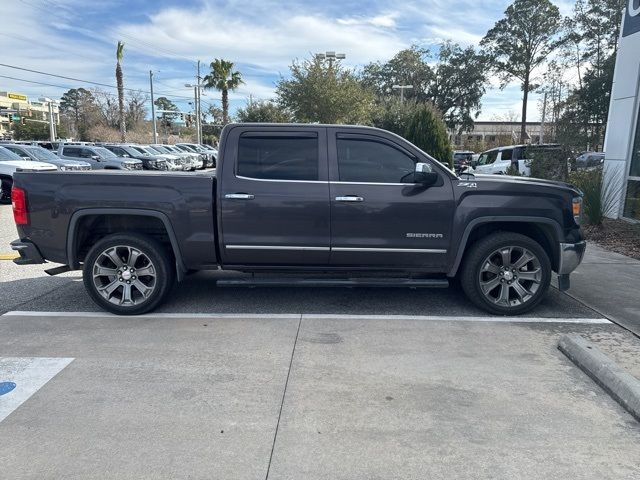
column 19, row 284
column 147, row 398
column 335, row 398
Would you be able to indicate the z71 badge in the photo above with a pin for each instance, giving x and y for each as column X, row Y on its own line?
column 468, row 184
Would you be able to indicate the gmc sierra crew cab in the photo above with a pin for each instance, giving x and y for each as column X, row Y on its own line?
column 303, row 205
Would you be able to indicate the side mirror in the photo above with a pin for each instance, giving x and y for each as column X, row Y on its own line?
column 95, row 157
column 24, row 157
column 425, row 175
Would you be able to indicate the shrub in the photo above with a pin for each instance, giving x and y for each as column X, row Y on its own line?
column 550, row 163
column 600, row 196
column 512, row 171
column 427, row 131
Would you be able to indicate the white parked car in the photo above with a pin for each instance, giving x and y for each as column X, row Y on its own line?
column 9, row 164
column 498, row 160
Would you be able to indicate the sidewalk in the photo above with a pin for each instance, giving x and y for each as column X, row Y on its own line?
column 608, row 282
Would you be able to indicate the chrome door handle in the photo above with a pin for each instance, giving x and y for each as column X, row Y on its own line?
column 239, row 196
column 349, row 198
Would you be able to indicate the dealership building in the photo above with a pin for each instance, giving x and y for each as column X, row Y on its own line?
column 16, row 107
column 622, row 142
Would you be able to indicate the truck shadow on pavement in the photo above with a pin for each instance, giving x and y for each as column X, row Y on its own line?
column 198, row 293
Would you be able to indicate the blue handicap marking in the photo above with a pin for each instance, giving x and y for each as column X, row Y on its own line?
column 6, row 387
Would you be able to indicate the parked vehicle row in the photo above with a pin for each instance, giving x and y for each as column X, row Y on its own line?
column 83, row 156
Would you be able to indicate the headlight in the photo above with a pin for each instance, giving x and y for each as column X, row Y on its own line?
column 577, row 209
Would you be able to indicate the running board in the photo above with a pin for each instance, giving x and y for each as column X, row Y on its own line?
column 322, row 282
column 58, row 270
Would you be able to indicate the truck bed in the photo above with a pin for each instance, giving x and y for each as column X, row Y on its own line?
column 58, row 201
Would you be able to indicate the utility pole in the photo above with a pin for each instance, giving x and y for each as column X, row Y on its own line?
column 52, row 126
column 544, row 113
column 198, row 107
column 153, row 109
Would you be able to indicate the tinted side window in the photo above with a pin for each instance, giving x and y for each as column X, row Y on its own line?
column 488, row 158
column 361, row 160
column 507, row 154
column 278, row 158
column 71, row 152
column 15, row 150
column 85, row 153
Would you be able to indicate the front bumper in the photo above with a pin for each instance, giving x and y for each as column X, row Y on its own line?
column 29, row 253
column 571, row 255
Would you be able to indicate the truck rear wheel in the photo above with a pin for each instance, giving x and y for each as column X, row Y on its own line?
column 506, row 273
column 128, row 274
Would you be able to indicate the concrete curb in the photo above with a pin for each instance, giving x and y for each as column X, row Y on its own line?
column 623, row 387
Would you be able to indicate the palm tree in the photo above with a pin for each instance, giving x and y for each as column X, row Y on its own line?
column 223, row 78
column 120, row 84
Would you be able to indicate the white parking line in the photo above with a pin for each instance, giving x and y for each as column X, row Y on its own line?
column 431, row 318
column 25, row 375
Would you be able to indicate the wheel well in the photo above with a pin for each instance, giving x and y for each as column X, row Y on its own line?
column 540, row 232
column 91, row 228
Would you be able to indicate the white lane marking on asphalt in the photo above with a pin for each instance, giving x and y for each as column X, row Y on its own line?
column 433, row 318
column 29, row 374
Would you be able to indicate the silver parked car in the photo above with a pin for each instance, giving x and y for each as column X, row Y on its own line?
column 98, row 157
column 38, row 154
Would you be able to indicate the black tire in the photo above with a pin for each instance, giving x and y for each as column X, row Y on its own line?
column 150, row 257
column 6, row 184
column 477, row 274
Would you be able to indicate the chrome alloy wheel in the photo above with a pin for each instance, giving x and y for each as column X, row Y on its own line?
column 124, row 275
column 510, row 276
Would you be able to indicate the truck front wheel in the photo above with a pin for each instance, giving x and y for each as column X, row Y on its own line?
column 506, row 273
column 128, row 274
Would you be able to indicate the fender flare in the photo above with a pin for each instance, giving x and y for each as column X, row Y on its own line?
column 79, row 214
column 491, row 219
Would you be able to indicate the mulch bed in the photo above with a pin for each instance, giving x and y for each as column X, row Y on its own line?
column 616, row 235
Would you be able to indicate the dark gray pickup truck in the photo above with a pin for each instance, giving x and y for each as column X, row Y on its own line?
column 303, row 205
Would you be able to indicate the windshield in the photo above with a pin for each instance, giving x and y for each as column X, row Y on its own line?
column 42, row 154
column 154, row 149
column 149, row 150
column 142, row 150
column 8, row 155
column 162, row 149
column 185, row 148
column 104, row 153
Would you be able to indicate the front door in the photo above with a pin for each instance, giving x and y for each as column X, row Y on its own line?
column 379, row 217
column 274, row 196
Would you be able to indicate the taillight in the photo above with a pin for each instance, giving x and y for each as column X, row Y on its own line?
column 19, row 202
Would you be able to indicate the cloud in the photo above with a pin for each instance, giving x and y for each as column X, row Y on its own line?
column 270, row 37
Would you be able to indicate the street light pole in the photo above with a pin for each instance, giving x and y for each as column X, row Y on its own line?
column 331, row 57
column 402, row 88
column 153, row 109
column 52, row 127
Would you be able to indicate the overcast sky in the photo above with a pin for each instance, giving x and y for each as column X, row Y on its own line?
column 76, row 38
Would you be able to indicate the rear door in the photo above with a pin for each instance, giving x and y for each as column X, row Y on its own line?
column 379, row 218
column 274, row 196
